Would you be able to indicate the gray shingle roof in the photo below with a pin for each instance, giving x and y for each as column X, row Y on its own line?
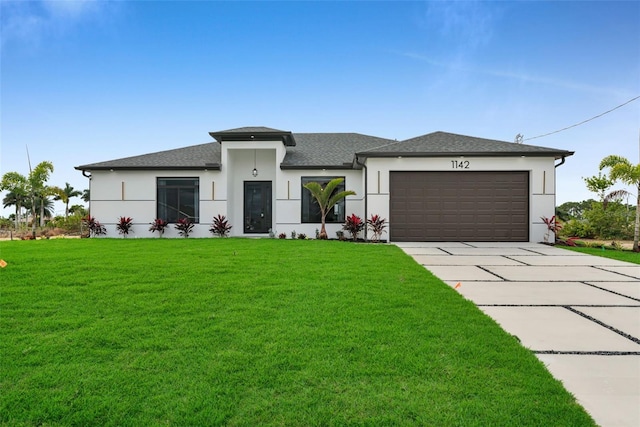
column 193, row 157
column 328, row 150
column 438, row 144
column 331, row 150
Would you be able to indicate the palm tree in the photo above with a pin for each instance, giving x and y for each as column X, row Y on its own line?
column 65, row 195
column 623, row 170
column 38, row 176
column 13, row 199
column 327, row 199
column 17, row 186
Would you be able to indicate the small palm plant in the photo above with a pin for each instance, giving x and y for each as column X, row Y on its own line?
column 377, row 225
column 354, row 225
column 221, row 226
column 124, row 225
column 158, row 225
column 327, row 198
column 184, row 227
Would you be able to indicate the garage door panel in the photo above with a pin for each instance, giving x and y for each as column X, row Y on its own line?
column 471, row 206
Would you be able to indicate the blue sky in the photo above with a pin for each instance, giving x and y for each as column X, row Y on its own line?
column 87, row 81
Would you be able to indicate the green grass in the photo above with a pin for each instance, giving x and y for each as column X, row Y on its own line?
column 621, row 255
column 254, row 332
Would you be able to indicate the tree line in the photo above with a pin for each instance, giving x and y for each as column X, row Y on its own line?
column 32, row 195
column 611, row 216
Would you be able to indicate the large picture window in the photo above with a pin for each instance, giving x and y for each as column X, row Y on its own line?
column 178, row 198
column 310, row 208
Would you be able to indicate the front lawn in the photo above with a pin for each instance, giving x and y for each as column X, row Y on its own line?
column 254, row 332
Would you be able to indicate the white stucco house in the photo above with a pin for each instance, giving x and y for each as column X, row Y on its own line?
column 435, row 187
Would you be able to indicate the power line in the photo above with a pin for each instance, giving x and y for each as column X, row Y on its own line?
column 582, row 122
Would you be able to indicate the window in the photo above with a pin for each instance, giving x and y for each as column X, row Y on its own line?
column 310, row 208
column 178, row 198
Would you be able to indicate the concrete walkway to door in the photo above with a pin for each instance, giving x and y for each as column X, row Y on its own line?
column 579, row 314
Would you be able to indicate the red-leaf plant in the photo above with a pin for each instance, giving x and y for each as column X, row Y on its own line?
column 221, row 226
column 184, row 227
column 94, row 226
column 124, row 225
column 552, row 227
column 354, row 225
column 377, row 225
column 158, row 225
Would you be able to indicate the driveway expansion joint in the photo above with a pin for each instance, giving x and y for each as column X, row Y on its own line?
column 492, row 273
column 611, row 328
column 603, row 268
column 610, row 291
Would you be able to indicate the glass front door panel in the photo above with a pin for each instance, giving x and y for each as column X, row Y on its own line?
column 257, row 206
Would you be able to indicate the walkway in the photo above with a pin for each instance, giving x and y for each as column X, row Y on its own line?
column 579, row 314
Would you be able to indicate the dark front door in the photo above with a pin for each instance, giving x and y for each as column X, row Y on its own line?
column 257, row 206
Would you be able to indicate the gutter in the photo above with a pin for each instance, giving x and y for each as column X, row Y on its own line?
column 562, row 162
column 366, row 198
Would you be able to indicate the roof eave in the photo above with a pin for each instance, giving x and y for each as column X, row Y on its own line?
column 556, row 155
column 286, row 137
column 317, row 167
column 215, row 166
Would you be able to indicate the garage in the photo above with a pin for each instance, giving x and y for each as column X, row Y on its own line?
column 480, row 206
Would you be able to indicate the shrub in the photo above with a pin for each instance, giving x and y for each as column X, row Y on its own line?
column 158, row 225
column 354, row 225
column 293, row 234
column 377, row 225
column 124, row 225
column 184, row 227
column 94, row 226
column 282, row 236
column 577, row 228
column 302, row 236
column 221, row 226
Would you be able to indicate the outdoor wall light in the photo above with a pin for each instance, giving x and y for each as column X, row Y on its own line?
column 254, row 172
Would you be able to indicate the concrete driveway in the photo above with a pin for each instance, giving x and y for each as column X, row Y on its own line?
column 579, row 314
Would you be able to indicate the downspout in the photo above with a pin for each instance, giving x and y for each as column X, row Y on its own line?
column 365, row 195
column 554, row 188
column 84, row 173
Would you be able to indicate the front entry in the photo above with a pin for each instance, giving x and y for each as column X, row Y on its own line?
column 257, row 206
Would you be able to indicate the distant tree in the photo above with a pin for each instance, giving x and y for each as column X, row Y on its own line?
column 17, row 186
column 86, row 195
column 599, row 184
column 65, row 195
column 37, row 187
column 573, row 210
column 621, row 169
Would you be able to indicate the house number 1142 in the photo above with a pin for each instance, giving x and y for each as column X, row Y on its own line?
column 460, row 164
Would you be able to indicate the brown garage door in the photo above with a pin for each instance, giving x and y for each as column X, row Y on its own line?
column 459, row 206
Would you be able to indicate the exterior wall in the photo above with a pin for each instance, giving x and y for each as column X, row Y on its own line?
column 133, row 193
column 289, row 200
column 541, row 182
